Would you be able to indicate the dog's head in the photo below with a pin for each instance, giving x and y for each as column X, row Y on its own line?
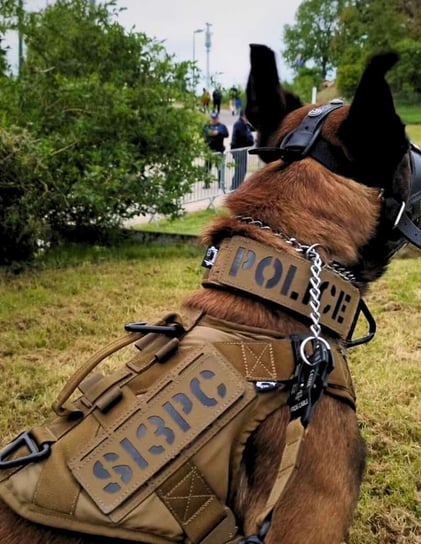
column 342, row 176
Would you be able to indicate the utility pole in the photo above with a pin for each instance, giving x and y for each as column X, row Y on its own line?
column 193, row 71
column 20, row 36
column 208, row 44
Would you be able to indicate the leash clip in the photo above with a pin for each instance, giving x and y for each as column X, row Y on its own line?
column 310, row 378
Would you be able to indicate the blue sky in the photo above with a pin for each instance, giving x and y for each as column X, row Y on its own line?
column 234, row 25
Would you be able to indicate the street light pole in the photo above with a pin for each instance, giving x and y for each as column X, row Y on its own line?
column 208, row 44
column 20, row 36
column 193, row 70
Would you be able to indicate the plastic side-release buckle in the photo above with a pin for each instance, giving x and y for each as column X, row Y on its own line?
column 224, row 532
column 37, row 452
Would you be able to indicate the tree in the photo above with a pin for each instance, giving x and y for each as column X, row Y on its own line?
column 119, row 133
column 411, row 12
column 341, row 35
column 9, row 16
column 406, row 77
column 366, row 27
column 311, row 38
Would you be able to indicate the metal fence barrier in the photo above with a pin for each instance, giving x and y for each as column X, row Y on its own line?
column 228, row 170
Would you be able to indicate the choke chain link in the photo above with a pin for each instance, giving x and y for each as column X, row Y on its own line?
column 299, row 247
column 311, row 254
column 315, row 294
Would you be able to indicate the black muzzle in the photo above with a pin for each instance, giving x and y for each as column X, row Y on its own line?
column 408, row 220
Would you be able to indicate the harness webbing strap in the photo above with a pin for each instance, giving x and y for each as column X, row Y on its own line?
column 196, row 507
column 288, row 467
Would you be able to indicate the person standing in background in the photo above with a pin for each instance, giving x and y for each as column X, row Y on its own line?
column 242, row 138
column 233, row 93
column 205, row 100
column 214, row 133
column 217, row 99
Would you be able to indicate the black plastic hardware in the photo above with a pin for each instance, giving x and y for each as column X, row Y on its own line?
column 37, row 452
column 170, row 330
column 310, row 379
column 362, row 309
column 259, row 538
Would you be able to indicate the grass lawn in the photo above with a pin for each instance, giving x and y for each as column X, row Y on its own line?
column 414, row 133
column 410, row 114
column 191, row 223
column 77, row 299
column 55, row 316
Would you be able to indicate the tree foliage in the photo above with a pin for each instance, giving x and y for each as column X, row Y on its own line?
column 111, row 114
column 341, row 35
column 24, row 185
column 310, row 39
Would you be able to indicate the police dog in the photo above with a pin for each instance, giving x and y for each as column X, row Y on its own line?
column 337, row 186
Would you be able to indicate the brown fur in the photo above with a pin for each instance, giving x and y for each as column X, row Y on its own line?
column 344, row 216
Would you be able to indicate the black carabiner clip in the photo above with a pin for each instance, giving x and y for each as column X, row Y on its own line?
column 362, row 309
column 37, row 453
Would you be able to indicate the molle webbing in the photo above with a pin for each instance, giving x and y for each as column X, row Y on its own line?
column 149, row 452
column 283, row 279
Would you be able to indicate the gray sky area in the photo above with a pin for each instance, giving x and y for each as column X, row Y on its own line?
column 234, row 25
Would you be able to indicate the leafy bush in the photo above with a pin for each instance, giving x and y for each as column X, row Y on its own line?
column 110, row 112
column 347, row 79
column 24, row 190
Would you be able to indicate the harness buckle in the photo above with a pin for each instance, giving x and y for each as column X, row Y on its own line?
column 260, row 537
column 37, row 452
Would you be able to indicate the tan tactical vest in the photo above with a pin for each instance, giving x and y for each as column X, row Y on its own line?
column 150, row 452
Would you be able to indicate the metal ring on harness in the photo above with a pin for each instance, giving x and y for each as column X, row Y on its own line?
column 303, row 344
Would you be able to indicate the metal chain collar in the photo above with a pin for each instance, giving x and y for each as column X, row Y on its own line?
column 311, row 253
column 339, row 269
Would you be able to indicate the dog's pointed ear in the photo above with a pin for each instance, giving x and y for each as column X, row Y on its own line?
column 267, row 101
column 373, row 133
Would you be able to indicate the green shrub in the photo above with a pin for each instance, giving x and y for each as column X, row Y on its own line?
column 24, row 188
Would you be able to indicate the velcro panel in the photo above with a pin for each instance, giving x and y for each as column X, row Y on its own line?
column 192, row 502
column 166, row 420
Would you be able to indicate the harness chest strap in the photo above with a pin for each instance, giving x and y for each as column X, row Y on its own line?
column 283, row 279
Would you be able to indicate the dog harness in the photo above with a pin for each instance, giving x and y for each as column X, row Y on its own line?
column 151, row 451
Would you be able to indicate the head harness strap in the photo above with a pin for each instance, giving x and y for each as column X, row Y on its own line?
column 304, row 141
column 297, row 144
column 408, row 219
